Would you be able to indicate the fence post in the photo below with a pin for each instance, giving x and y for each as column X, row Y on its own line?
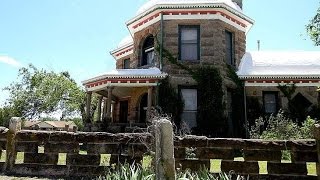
column 316, row 134
column 165, row 163
column 14, row 127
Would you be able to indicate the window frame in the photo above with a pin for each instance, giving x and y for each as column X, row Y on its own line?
column 145, row 51
column 232, row 51
column 276, row 94
column 197, row 27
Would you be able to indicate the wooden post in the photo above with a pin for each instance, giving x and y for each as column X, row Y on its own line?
column 99, row 108
column 109, row 102
column 88, row 106
column 316, row 134
column 14, row 127
column 150, row 89
column 165, row 162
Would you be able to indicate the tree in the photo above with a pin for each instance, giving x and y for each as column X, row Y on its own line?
column 40, row 91
column 313, row 28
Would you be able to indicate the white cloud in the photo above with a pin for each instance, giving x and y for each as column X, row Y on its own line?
column 10, row 61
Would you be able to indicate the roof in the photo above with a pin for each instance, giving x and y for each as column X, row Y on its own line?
column 125, row 41
column 129, row 73
column 57, row 124
column 152, row 3
column 280, row 64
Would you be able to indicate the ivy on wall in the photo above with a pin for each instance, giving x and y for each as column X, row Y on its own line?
column 211, row 119
column 170, row 101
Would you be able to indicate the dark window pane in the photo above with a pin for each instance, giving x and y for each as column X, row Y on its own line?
column 270, row 102
column 126, row 64
column 148, row 51
column 229, row 47
column 189, row 43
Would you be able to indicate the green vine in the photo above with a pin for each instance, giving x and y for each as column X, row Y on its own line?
column 210, row 116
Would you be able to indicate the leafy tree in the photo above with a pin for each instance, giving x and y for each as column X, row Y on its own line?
column 40, row 91
column 313, row 28
column 5, row 115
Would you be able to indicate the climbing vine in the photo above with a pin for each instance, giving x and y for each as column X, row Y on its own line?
column 210, row 116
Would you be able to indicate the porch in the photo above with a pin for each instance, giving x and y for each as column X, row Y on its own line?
column 125, row 98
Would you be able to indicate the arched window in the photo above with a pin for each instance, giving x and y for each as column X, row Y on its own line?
column 148, row 51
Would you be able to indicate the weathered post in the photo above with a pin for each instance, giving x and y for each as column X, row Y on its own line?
column 316, row 134
column 165, row 163
column 14, row 127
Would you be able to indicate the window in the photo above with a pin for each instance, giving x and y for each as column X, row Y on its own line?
column 229, row 48
column 189, row 43
column 270, row 102
column 189, row 114
column 148, row 51
column 126, row 64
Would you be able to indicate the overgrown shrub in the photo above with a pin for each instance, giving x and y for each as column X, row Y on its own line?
column 280, row 127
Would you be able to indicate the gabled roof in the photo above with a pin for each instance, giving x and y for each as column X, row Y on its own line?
column 280, row 64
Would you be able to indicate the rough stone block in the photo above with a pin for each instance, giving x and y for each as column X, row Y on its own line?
column 83, row 160
column 27, row 147
column 95, row 148
column 193, row 165
column 287, row 168
column 40, row 158
column 87, row 171
column 214, row 153
column 56, row 147
column 304, row 156
column 240, row 167
column 261, row 155
column 121, row 159
column 180, row 153
column 53, row 171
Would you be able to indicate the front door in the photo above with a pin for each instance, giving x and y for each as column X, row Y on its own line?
column 123, row 112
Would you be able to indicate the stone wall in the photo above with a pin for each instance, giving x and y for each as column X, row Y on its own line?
column 83, row 153
column 195, row 152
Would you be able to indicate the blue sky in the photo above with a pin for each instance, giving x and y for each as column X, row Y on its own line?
column 77, row 35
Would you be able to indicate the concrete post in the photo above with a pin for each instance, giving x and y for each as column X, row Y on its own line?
column 316, row 134
column 99, row 108
column 14, row 127
column 88, row 107
column 165, row 162
column 150, row 90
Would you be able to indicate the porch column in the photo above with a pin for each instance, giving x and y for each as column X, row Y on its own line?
column 104, row 113
column 99, row 108
column 88, row 106
column 150, row 89
column 109, row 102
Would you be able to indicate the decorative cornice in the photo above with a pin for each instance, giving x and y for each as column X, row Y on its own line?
column 272, row 77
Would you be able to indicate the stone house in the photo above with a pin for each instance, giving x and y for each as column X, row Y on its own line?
column 200, row 33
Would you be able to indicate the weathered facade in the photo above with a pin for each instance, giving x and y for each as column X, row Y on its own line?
column 199, row 33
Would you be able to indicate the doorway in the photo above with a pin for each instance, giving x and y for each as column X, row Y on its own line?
column 123, row 114
column 143, row 108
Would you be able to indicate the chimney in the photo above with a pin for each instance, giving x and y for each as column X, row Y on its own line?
column 239, row 2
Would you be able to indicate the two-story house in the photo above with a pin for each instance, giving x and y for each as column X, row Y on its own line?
column 199, row 33
column 202, row 32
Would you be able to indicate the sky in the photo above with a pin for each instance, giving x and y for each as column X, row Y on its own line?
column 77, row 35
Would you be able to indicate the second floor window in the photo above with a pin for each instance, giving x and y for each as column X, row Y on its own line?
column 126, row 64
column 229, row 48
column 189, row 43
column 148, row 51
